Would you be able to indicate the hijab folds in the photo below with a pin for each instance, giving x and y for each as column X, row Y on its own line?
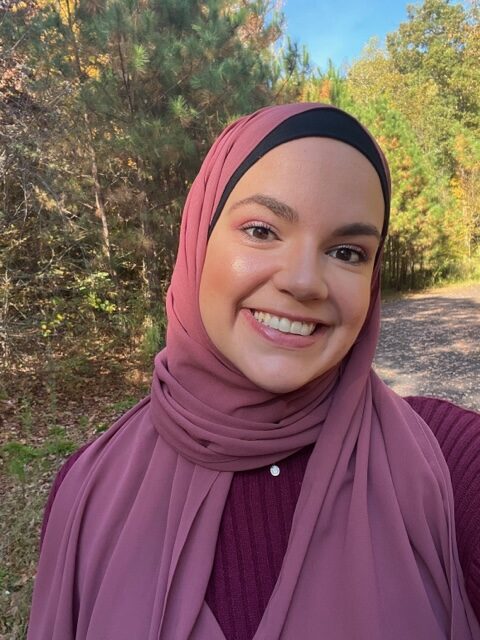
column 131, row 538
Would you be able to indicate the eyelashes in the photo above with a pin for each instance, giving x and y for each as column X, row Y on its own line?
column 349, row 253
column 263, row 232
column 260, row 231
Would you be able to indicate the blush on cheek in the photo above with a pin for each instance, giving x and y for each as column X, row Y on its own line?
column 240, row 266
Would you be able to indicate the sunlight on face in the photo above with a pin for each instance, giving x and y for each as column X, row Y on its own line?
column 285, row 287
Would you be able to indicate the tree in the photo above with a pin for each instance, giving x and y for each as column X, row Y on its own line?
column 435, row 50
column 118, row 102
column 178, row 72
column 427, row 77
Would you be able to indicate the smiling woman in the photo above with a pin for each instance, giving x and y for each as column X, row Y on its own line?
column 294, row 289
column 272, row 486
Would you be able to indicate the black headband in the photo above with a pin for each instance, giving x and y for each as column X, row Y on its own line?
column 324, row 122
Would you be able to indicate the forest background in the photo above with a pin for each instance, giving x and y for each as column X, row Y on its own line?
column 107, row 108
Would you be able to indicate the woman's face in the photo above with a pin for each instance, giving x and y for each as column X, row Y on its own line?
column 285, row 287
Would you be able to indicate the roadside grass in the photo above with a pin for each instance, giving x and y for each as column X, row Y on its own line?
column 27, row 470
column 388, row 295
column 28, row 463
column 59, row 389
column 447, row 285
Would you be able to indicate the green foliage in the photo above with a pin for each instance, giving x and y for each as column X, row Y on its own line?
column 425, row 84
column 50, row 326
column 109, row 111
column 28, row 471
column 293, row 71
column 434, row 52
column 101, row 428
column 108, row 108
column 18, row 456
column 124, row 405
column 153, row 335
column 97, row 291
column 26, row 415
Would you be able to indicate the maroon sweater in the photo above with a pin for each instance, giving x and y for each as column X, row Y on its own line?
column 259, row 510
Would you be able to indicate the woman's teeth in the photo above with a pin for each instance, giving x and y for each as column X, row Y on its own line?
column 284, row 324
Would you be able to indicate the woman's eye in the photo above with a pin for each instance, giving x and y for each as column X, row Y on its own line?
column 259, row 232
column 349, row 254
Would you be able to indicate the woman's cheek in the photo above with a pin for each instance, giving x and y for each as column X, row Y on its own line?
column 353, row 300
column 241, row 266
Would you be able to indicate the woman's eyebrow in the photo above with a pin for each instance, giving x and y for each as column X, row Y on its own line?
column 276, row 206
column 358, row 229
column 288, row 213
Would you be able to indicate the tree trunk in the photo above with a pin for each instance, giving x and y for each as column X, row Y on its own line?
column 99, row 201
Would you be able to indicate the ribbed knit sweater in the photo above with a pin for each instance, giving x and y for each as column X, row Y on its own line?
column 259, row 510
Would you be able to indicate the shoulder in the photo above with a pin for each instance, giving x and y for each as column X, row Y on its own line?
column 122, row 429
column 59, row 478
column 458, row 432
column 443, row 416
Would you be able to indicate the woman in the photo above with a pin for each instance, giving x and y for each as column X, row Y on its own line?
column 273, row 315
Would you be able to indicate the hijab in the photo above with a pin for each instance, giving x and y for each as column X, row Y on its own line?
column 131, row 538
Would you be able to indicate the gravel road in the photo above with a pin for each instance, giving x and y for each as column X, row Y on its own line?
column 430, row 345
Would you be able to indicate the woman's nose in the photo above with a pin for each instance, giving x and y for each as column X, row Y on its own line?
column 302, row 274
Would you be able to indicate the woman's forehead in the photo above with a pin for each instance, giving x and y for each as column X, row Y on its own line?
column 313, row 182
column 316, row 152
column 312, row 163
column 316, row 121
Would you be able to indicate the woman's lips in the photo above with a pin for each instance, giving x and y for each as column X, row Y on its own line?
column 284, row 324
column 280, row 338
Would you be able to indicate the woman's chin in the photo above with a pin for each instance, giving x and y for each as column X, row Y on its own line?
column 280, row 388
column 280, row 383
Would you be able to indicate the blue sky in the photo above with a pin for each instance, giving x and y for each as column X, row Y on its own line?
column 339, row 29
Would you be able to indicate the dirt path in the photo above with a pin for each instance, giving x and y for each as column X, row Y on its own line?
column 430, row 344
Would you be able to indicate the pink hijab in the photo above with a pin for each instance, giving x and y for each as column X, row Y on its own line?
column 131, row 538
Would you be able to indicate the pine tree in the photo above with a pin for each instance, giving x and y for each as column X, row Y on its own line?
column 129, row 95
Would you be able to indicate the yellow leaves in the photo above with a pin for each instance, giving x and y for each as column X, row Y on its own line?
column 324, row 90
column 92, row 71
column 391, row 143
column 98, row 291
column 386, row 142
column 66, row 13
column 19, row 7
column 45, row 199
column 456, row 188
column 100, row 304
column 467, row 152
column 48, row 327
column 95, row 64
column 102, row 59
column 310, row 92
